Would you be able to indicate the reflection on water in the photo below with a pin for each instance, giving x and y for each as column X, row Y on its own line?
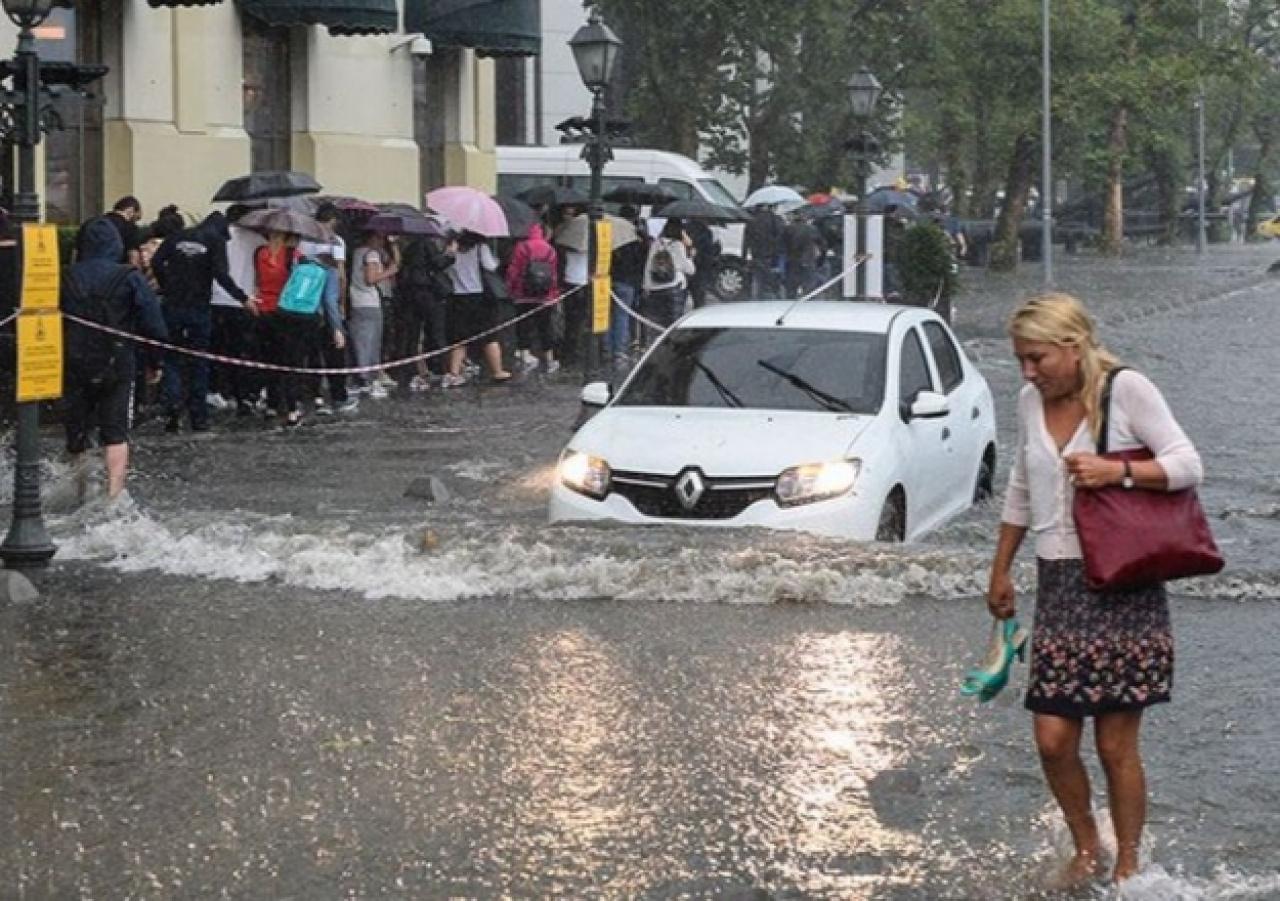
column 843, row 685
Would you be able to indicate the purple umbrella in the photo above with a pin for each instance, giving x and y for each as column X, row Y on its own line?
column 396, row 224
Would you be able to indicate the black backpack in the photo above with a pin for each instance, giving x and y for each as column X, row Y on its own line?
column 539, row 275
column 95, row 356
column 662, row 268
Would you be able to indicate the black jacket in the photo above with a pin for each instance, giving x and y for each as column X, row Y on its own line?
column 131, row 306
column 188, row 263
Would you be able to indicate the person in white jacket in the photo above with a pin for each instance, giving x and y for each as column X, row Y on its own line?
column 666, row 274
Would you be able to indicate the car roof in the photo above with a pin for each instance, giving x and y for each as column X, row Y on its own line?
column 843, row 316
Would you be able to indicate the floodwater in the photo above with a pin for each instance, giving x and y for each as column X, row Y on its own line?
column 274, row 676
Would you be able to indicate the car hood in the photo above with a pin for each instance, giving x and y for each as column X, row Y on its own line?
column 664, row 440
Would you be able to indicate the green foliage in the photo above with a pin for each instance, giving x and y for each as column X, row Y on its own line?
column 925, row 265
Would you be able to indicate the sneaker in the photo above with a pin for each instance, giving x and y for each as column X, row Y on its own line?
column 553, row 366
column 173, row 424
column 347, row 406
column 323, row 408
column 377, row 392
column 293, row 420
column 215, row 401
column 528, row 362
column 418, row 383
column 385, row 380
column 358, row 390
column 449, row 380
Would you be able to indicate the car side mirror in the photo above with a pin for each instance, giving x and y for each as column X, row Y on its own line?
column 597, row 394
column 930, row 405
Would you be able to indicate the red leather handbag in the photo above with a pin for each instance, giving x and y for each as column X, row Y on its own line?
column 1135, row 536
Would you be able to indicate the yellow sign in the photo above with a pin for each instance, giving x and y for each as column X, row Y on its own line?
column 39, row 356
column 601, row 297
column 604, row 245
column 40, row 268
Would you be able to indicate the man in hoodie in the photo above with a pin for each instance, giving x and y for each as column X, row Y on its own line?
column 531, row 279
column 99, row 370
column 186, row 267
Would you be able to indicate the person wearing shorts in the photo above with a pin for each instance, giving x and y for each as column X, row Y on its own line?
column 100, row 367
column 470, row 312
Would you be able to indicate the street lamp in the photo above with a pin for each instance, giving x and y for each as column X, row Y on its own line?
column 595, row 50
column 864, row 94
column 27, row 544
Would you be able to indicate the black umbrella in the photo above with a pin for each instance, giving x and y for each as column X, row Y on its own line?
column 831, row 207
column 701, row 209
column 397, row 224
column 520, row 216
column 261, row 185
column 399, row 208
column 641, row 195
column 553, row 195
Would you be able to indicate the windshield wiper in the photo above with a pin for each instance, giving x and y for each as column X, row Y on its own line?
column 721, row 388
column 828, row 401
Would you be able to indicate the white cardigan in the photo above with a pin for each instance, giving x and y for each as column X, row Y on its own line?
column 1040, row 494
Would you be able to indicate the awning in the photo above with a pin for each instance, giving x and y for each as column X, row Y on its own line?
column 341, row 17
column 158, row 4
column 490, row 27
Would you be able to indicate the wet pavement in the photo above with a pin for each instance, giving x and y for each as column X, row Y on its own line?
column 275, row 676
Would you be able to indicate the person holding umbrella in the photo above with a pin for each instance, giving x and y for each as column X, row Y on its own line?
column 470, row 312
column 277, row 341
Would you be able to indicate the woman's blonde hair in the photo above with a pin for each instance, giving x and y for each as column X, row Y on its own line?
column 1062, row 319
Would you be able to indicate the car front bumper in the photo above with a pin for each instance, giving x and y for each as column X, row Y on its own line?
column 852, row 516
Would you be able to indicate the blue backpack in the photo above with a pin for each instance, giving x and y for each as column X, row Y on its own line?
column 304, row 290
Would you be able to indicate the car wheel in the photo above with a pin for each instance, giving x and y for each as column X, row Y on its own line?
column 731, row 280
column 984, row 485
column 893, row 518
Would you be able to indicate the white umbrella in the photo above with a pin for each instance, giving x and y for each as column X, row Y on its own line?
column 774, row 195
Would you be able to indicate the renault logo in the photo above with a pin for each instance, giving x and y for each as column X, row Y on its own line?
column 689, row 488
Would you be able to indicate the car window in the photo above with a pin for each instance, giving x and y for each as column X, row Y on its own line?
column 682, row 189
column 913, row 369
column 762, row 369
column 945, row 356
column 717, row 192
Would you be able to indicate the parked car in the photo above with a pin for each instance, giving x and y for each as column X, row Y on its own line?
column 1270, row 227
column 857, row 420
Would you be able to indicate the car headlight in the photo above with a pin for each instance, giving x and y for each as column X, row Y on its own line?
column 585, row 474
column 816, row 481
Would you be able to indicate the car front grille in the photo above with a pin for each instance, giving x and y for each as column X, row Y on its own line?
column 722, row 498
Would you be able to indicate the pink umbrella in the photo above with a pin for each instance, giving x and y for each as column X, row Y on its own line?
column 471, row 210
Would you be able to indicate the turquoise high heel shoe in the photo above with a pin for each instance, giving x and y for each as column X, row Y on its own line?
column 1008, row 640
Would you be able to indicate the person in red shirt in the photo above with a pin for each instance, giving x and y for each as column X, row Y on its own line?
column 279, row 340
column 531, row 279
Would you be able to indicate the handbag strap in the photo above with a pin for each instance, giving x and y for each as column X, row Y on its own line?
column 1104, row 434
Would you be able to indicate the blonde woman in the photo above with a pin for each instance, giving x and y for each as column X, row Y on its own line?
column 1105, row 656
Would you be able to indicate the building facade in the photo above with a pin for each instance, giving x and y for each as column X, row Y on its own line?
column 379, row 99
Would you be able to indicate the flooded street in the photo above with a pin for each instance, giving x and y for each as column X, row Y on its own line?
column 273, row 675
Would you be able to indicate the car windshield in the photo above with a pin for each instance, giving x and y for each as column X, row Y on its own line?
column 717, row 192
column 762, row 369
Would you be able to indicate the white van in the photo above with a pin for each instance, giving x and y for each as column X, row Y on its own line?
column 521, row 168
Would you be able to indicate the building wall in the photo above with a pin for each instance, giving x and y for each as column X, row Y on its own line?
column 563, row 94
column 174, row 128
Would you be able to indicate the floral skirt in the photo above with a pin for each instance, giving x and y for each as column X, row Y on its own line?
column 1097, row 652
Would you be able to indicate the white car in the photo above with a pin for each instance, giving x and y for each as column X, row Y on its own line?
column 857, row 420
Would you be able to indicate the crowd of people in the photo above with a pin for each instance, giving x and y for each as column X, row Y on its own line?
column 359, row 299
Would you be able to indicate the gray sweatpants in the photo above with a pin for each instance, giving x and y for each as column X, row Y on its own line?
column 365, row 324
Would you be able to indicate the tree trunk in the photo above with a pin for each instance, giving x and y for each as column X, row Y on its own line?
column 1164, row 166
column 1005, row 244
column 1261, row 198
column 980, row 200
column 1113, row 204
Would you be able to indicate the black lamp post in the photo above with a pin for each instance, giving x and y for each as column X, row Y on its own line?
column 864, row 94
column 27, row 546
column 595, row 49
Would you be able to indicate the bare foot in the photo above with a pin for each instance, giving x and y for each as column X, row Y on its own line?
column 1080, row 870
column 1126, row 866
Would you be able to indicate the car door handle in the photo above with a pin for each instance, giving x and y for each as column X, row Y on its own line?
column 946, row 434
